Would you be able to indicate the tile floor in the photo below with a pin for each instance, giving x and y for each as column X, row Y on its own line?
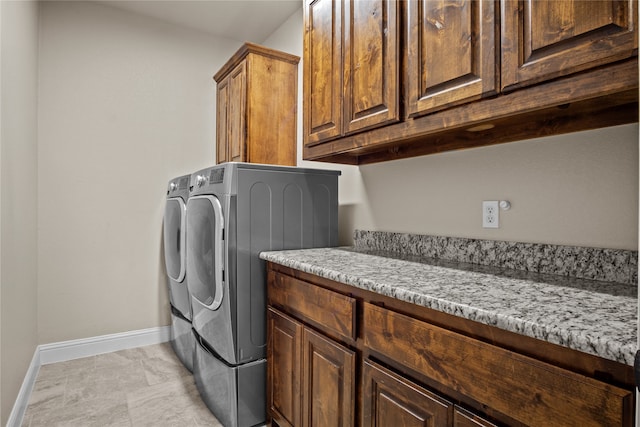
column 145, row 386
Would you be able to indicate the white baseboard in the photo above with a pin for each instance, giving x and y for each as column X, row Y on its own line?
column 75, row 349
column 20, row 406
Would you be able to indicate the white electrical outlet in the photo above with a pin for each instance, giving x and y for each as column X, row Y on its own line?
column 490, row 214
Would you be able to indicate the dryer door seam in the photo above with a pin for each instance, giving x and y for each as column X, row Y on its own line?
column 181, row 243
column 218, row 243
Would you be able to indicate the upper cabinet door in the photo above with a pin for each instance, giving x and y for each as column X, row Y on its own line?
column 450, row 53
column 222, row 120
column 545, row 39
column 371, row 63
column 236, row 130
column 322, row 70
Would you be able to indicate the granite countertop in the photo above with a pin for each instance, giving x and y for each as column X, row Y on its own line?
column 594, row 317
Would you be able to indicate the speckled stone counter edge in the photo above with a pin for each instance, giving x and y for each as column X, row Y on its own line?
column 609, row 265
column 600, row 324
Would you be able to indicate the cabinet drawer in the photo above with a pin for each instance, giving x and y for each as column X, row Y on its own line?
column 331, row 311
column 527, row 390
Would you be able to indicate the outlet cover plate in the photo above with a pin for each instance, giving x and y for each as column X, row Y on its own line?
column 490, row 214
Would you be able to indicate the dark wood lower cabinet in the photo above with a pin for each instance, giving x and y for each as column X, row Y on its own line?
column 311, row 379
column 464, row 418
column 284, row 368
column 390, row 400
column 530, row 391
column 328, row 372
column 341, row 356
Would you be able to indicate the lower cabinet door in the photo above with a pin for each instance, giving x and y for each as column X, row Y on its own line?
column 390, row 400
column 284, row 358
column 464, row 418
column 328, row 374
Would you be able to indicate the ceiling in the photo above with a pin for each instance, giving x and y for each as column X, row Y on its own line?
column 243, row 20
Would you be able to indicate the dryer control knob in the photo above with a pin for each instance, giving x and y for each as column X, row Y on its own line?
column 173, row 186
column 200, row 180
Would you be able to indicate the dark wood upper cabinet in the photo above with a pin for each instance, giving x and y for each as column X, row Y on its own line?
column 322, row 64
column 257, row 106
column 222, row 117
column 237, row 105
column 371, row 64
column 351, row 67
column 449, row 52
column 545, row 39
column 464, row 73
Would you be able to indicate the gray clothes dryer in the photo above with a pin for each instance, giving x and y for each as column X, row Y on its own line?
column 174, row 224
column 234, row 212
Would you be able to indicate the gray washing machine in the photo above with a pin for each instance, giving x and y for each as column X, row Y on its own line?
column 174, row 224
column 234, row 212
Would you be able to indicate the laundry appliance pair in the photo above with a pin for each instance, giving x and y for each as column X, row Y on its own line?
column 235, row 211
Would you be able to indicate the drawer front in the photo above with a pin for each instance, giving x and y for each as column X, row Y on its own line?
column 331, row 311
column 527, row 390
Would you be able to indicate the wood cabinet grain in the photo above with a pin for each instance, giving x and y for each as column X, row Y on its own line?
column 256, row 107
column 351, row 67
column 403, row 364
column 464, row 418
column 531, row 392
column 389, row 399
column 283, row 374
column 450, row 53
column 310, row 378
column 542, row 40
column 328, row 380
column 334, row 312
column 371, row 64
column 467, row 73
column 322, row 85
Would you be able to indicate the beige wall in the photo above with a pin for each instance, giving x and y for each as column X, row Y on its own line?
column 575, row 189
column 126, row 103
column 18, row 196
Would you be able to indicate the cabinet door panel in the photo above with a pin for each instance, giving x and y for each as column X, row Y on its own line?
column 390, row 400
column 544, row 39
column 237, row 113
column 370, row 64
column 464, row 418
column 322, row 70
column 450, row 49
column 222, row 119
column 284, row 357
column 328, row 382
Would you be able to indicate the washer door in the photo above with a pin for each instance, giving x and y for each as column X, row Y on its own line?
column 175, row 213
column 205, row 246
